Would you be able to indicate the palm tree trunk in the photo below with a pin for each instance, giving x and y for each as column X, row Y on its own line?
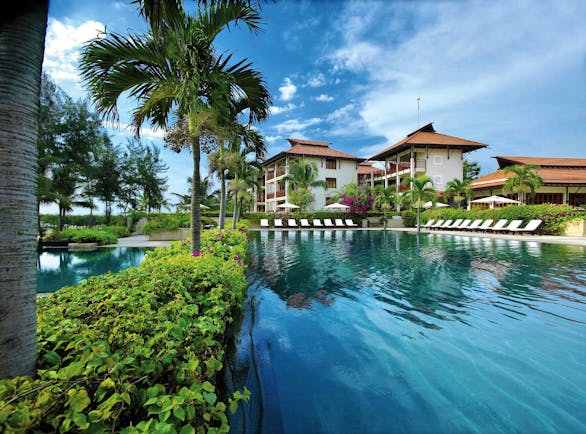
column 195, row 197
column 222, row 218
column 22, row 38
column 234, row 213
column 418, row 219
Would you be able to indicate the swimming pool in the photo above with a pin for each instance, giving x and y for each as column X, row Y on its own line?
column 57, row 268
column 378, row 332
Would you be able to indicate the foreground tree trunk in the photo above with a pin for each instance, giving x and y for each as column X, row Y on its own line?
column 22, row 40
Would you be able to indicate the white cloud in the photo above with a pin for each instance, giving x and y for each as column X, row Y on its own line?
column 275, row 110
column 295, row 125
column 272, row 139
column 288, row 89
column 475, row 65
column 317, row 80
column 62, row 50
column 324, row 98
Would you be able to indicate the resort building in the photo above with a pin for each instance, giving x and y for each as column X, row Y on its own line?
column 564, row 180
column 335, row 167
column 422, row 152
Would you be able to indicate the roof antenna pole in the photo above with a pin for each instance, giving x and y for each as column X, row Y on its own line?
column 418, row 111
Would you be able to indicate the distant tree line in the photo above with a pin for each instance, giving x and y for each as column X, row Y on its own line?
column 79, row 165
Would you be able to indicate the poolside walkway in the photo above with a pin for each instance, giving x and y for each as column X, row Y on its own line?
column 138, row 241
column 554, row 239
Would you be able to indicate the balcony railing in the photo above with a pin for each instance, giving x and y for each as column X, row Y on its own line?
column 279, row 193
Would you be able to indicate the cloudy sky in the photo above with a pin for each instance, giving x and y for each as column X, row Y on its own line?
column 511, row 74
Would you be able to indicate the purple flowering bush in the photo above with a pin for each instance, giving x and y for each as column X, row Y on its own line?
column 359, row 204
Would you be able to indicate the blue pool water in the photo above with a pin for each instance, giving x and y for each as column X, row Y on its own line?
column 380, row 332
column 57, row 268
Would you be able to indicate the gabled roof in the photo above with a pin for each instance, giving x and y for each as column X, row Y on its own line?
column 312, row 148
column 366, row 167
column 550, row 176
column 541, row 161
column 427, row 136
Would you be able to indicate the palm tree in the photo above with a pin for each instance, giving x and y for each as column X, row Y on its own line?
column 459, row 189
column 524, row 181
column 22, row 39
column 386, row 199
column 173, row 72
column 419, row 193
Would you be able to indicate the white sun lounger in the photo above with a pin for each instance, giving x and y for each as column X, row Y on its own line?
column 513, row 225
column 292, row 223
column 530, row 227
column 278, row 223
column 437, row 224
column 340, row 223
column 305, row 223
column 350, row 223
column 446, row 224
column 328, row 223
column 499, row 226
column 486, row 225
column 454, row 225
column 317, row 223
column 464, row 224
column 475, row 225
column 264, row 223
column 428, row 223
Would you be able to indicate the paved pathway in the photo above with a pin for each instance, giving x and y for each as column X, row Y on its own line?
column 138, row 241
column 576, row 241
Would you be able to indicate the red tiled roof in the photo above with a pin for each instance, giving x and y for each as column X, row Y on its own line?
column 312, row 148
column 427, row 136
column 307, row 142
column 550, row 175
column 541, row 161
column 366, row 167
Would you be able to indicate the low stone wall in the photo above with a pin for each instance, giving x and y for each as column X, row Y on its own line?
column 576, row 229
column 177, row 235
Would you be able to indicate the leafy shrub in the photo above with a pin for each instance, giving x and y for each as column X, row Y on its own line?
column 409, row 218
column 137, row 351
column 555, row 217
column 119, row 231
column 166, row 222
column 85, row 236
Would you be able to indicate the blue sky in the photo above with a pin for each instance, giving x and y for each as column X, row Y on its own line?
column 511, row 74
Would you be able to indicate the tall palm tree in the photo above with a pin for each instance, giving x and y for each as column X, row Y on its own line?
column 526, row 180
column 303, row 174
column 173, row 72
column 386, row 199
column 419, row 193
column 22, row 40
column 459, row 189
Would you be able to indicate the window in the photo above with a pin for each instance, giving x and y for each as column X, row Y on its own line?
column 437, row 160
column 331, row 163
column 330, row 182
column 437, row 179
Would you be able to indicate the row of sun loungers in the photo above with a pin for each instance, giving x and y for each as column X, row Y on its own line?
column 304, row 223
column 501, row 226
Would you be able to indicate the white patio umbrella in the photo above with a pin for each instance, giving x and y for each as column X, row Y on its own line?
column 287, row 205
column 202, row 206
column 492, row 200
column 437, row 205
column 336, row 206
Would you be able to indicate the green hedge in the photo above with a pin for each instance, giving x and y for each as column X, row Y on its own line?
column 137, row 351
column 85, row 236
column 172, row 222
column 119, row 231
column 555, row 217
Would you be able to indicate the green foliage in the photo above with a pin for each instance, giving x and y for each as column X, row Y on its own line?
column 86, row 236
column 137, row 351
column 409, row 218
column 52, row 220
column 555, row 217
column 118, row 231
column 166, row 222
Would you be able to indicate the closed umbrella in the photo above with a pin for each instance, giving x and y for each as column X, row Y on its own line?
column 202, row 206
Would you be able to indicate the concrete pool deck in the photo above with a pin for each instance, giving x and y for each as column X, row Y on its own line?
column 143, row 241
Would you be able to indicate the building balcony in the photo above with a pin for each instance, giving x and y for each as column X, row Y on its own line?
column 278, row 194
